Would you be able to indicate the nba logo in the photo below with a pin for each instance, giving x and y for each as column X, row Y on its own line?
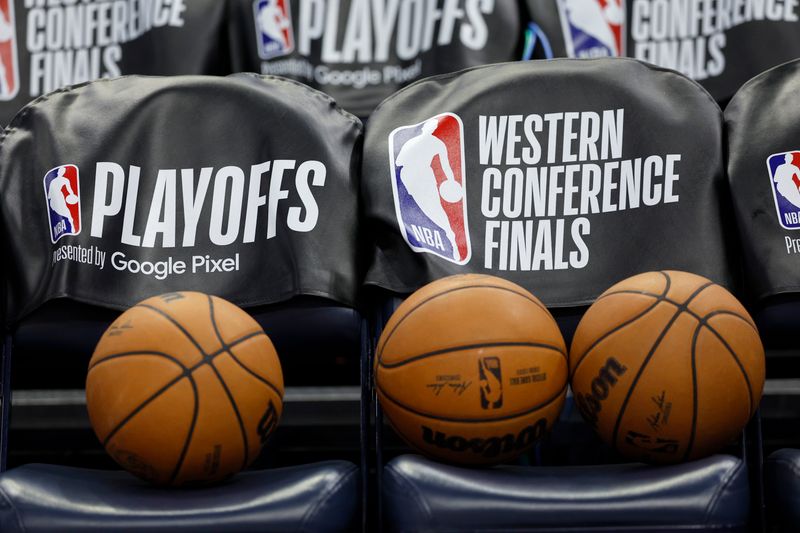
column 63, row 197
column 593, row 28
column 273, row 28
column 426, row 162
column 9, row 71
column 784, row 173
column 491, row 379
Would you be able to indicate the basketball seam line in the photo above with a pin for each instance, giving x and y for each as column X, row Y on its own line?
column 189, row 435
column 192, row 368
column 176, row 324
column 116, row 356
column 445, row 351
column 476, row 420
column 660, row 298
column 225, row 385
column 455, row 289
column 252, row 373
column 144, row 404
column 693, row 432
column 185, row 374
column 727, row 346
column 673, row 302
column 657, row 342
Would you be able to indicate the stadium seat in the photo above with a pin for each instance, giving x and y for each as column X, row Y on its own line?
column 46, row 46
column 764, row 172
column 494, row 121
column 782, row 485
column 360, row 53
column 264, row 175
column 720, row 55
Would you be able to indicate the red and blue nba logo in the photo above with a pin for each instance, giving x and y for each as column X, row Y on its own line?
column 427, row 168
column 62, row 193
column 784, row 173
column 593, row 28
column 9, row 69
column 274, row 30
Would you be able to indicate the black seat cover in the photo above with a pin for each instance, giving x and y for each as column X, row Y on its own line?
column 720, row 45
column 361, row 52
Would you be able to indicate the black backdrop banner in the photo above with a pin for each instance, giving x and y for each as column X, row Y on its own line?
column 244, row 187
column 360, row 52
column 46, row 45
column 564, row 176
column 719, row 43
column 763, row 123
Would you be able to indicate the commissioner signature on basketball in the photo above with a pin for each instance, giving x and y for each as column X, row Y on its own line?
column 452, row 382
column 661, row 417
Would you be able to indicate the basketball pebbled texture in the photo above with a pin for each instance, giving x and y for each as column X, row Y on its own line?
column 184, row 388
column 471, row 369
column 667, row 367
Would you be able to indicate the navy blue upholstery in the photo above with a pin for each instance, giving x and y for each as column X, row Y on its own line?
column 782, row 486
column 422, row 495
column 315, row 498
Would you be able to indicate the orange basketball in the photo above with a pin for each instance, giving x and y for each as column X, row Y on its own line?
column 667, row 367
column 471, row 369
column 184, row 388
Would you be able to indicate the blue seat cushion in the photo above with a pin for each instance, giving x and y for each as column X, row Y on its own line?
column 782, row 487
column 422, row 495
column 315, row 497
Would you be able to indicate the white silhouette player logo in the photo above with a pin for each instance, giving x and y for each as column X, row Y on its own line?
column 274, row 24
column 784, row 178
column 414, row 151
column 588, row 17
column 61, row 193
column 9, row 74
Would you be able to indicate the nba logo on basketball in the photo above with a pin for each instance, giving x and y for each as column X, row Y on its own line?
column 593, row 28
column 491, row 381
column 63, row 196
column 9, row 70
column 427, row 169
column 273, row 28
column 784, row 172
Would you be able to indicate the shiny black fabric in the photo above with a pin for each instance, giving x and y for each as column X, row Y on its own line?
column 721, row 45
column 708, row 494
column 520, row 224
column 250, row 182
column 318, row 497
column 763, row 123
column 56, row 44
column 361, row 52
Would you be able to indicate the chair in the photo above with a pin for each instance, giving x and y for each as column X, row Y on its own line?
column 360, row 53
column 56, row 45
column 251, row 182
column 763, row 154
column 720, row 56
column 496, row 122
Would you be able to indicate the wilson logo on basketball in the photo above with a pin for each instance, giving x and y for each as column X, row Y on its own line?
column 267, row 422
column 590, row 404
column 490, row 447
column 491, row 379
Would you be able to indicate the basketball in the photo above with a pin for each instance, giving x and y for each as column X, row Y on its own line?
column 667, row 367
column 184, row 388
column 471, row 369
column 71, row 199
